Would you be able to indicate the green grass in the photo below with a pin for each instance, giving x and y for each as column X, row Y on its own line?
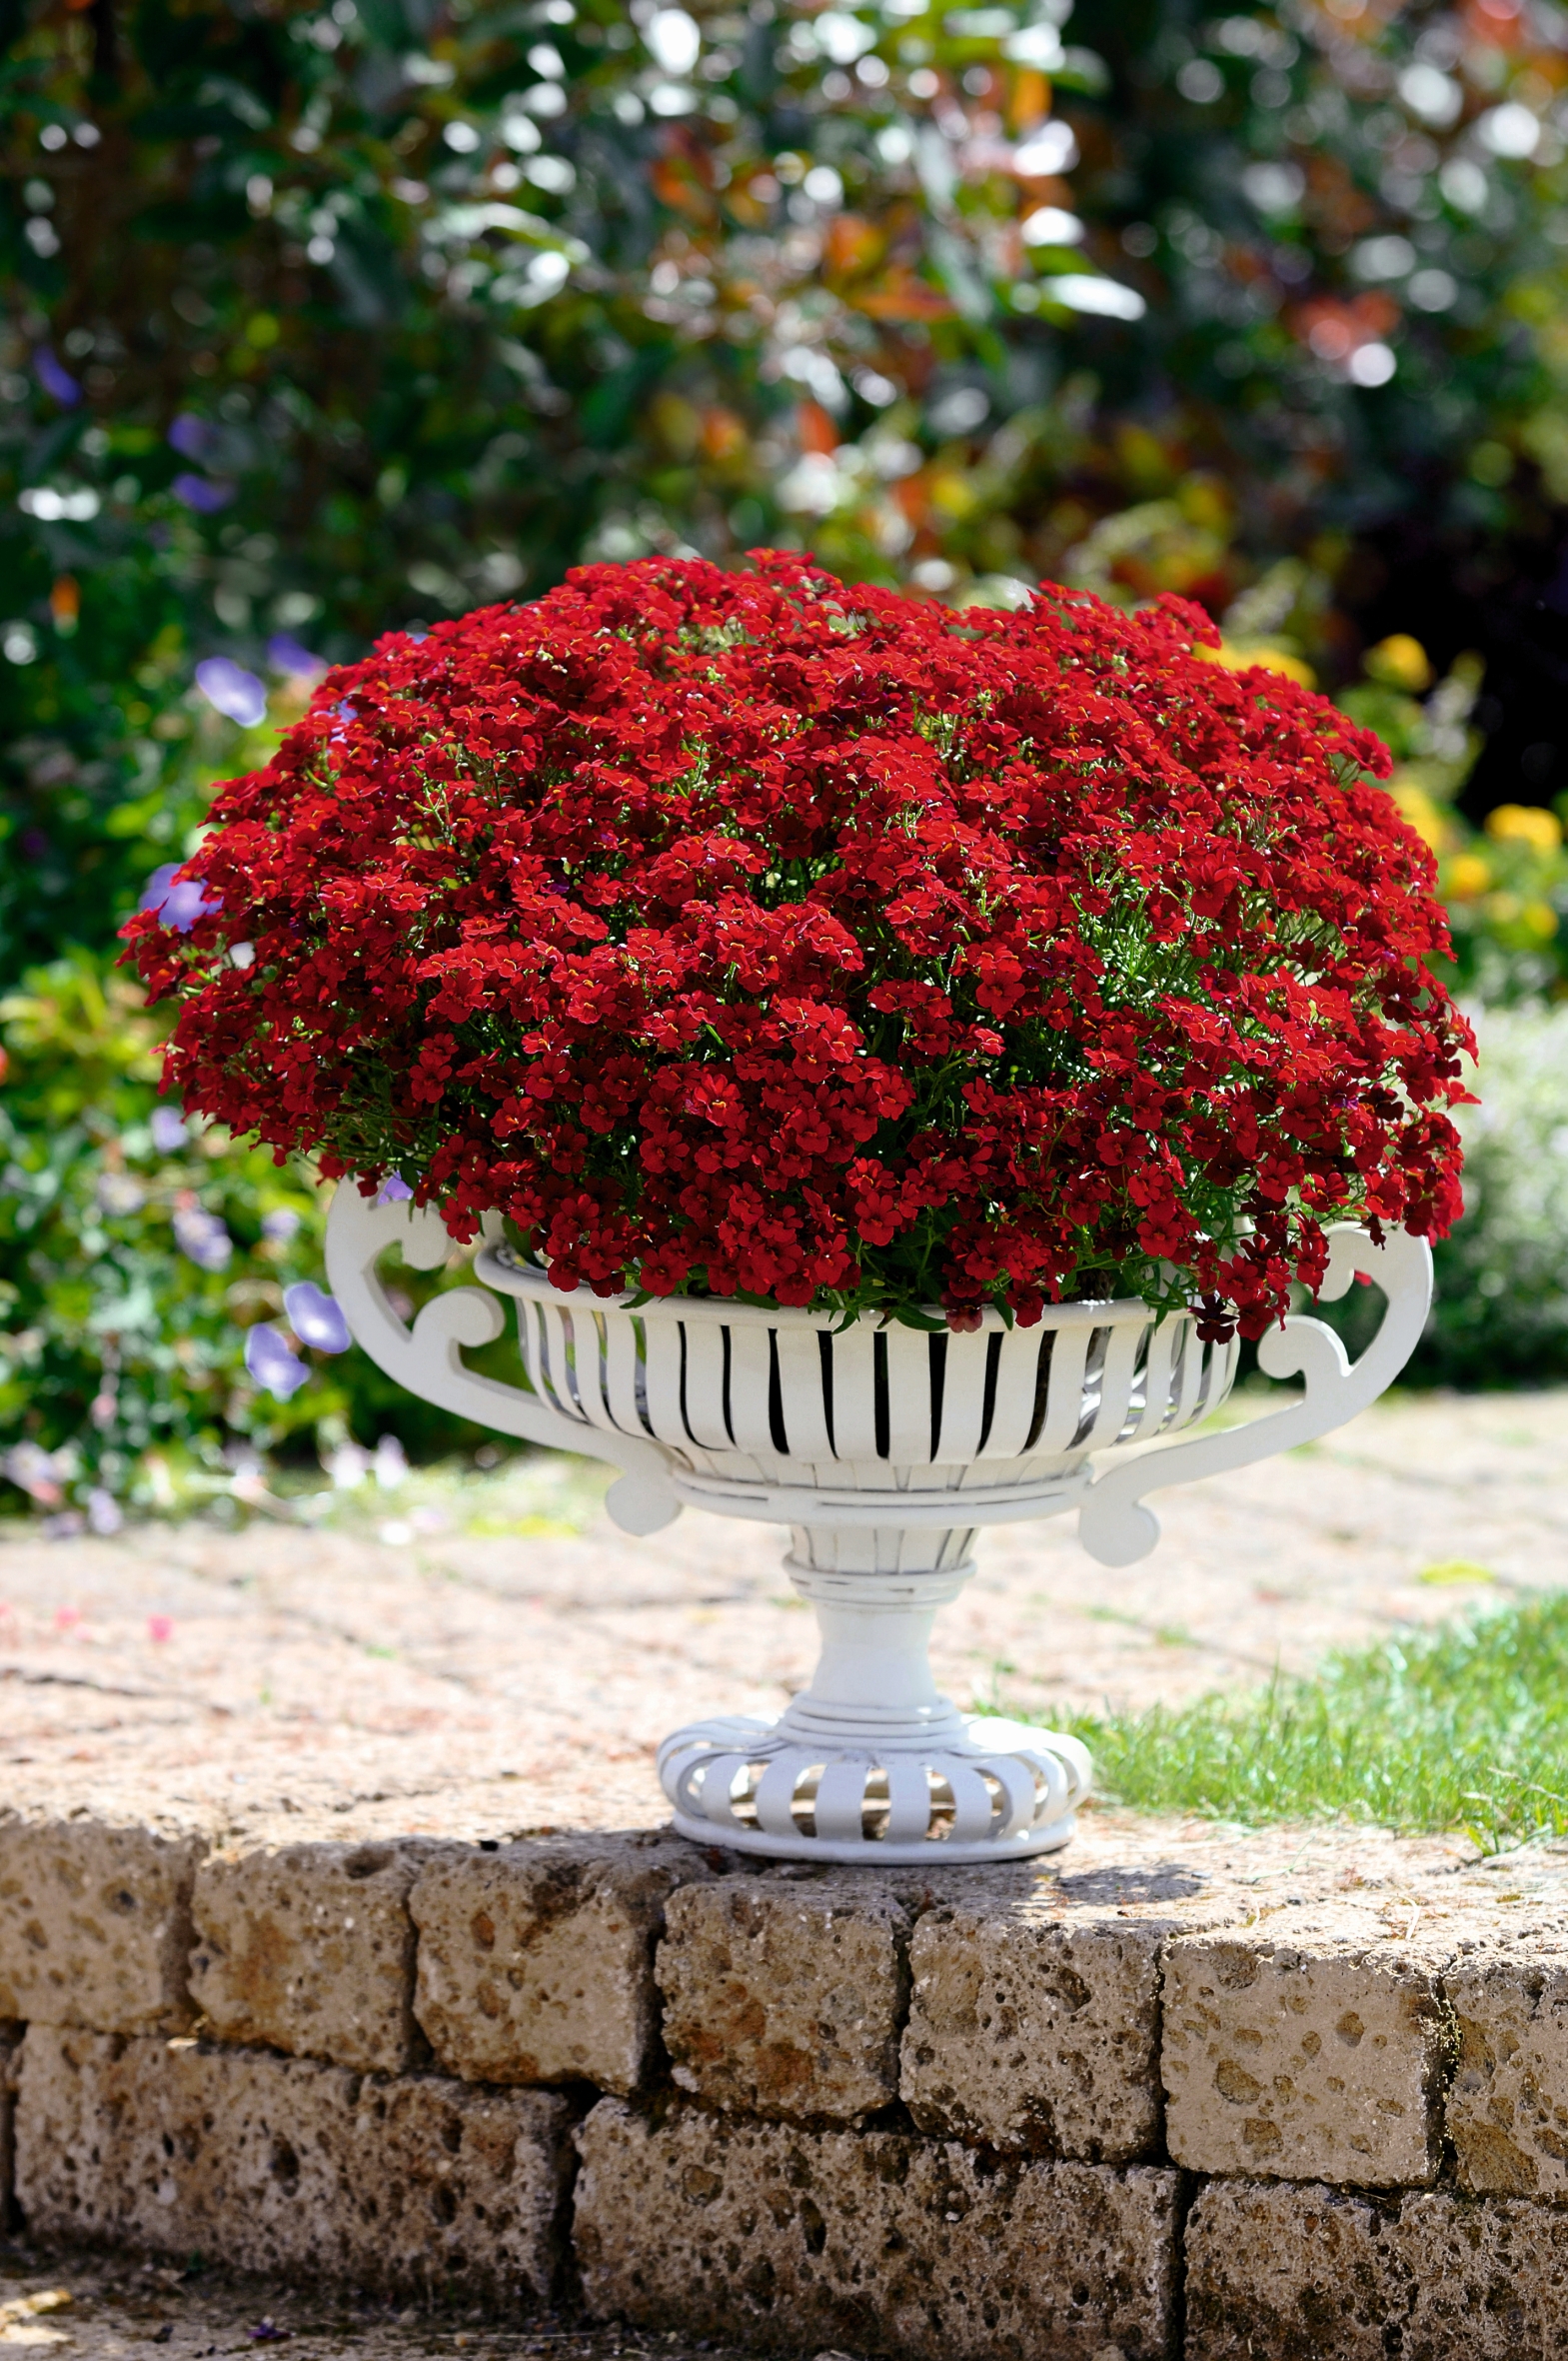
column 1462, row 1727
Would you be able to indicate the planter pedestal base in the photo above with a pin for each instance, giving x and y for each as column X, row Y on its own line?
column 872, row 1763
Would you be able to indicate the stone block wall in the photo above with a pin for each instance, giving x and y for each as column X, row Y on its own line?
column 1118, row 2116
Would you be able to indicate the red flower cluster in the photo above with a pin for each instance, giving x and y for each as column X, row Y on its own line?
column 749, row 934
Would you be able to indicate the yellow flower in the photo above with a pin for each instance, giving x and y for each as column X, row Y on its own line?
column 1540, row 919
column 1467, row 878
column 1401, row 662
column 954, row 494
column 1428, row 820
column 1238, row 659
column 1525, row 823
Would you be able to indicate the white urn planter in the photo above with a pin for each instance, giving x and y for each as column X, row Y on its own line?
column 883, row 1450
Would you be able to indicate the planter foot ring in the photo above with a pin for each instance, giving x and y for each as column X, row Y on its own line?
column 966, row 1789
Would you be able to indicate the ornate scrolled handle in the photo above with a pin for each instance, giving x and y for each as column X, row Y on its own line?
column 1112, row 1523
column 427, row 1359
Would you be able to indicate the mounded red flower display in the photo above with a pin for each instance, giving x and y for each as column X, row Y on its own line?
column 747, row 933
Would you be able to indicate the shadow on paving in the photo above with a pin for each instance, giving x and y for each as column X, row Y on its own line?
column 116, row 2306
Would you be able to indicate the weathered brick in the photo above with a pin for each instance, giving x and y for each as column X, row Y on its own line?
column 783, row 1997
column 1298, row 2272
column 772, row 2236
column 1303, row 2272
column 536, row 1961
column 1313, row 2055
column 282, row 2164
column 1507, row 2106
column 1035, row 2027
column 10, row 2060
column 310, row 1949
column 95, row 1924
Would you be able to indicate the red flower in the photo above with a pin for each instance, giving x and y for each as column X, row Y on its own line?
column 747, row 932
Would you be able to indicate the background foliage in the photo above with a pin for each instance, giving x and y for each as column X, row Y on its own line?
column 136, row 1256
column 322, row 319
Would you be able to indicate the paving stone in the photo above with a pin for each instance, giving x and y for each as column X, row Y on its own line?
column 168, row 2314
column 874, row 2242
column 1303, row 2272
column 784, row 1997
column 1034, row 2023
column 1507, row 2105
column 310, row 1949
column 535, row 1959
column 283, row 2164
column 118, row 2308
column 95, row 1924
column 1313, row 2054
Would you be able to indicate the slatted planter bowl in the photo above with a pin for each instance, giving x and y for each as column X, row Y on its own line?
column 778, row 1397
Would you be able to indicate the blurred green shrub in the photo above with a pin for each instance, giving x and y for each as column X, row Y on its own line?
column 1502, row 1313
column 135, row 1255
column 1348, row 218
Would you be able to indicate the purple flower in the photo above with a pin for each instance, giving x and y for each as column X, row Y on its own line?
column 178, row 905
column 393, row 1191
column 315, row 1318
column 184, row 904
column 198, row 493
column 286, row 655
column 232, row 690
column 32, row 1470
column 275, row 1368
column 203, row 1238
column 55, row 380
column 281, row 1223
column 193, row 437
column 167, row 1127
column 104, row 1513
